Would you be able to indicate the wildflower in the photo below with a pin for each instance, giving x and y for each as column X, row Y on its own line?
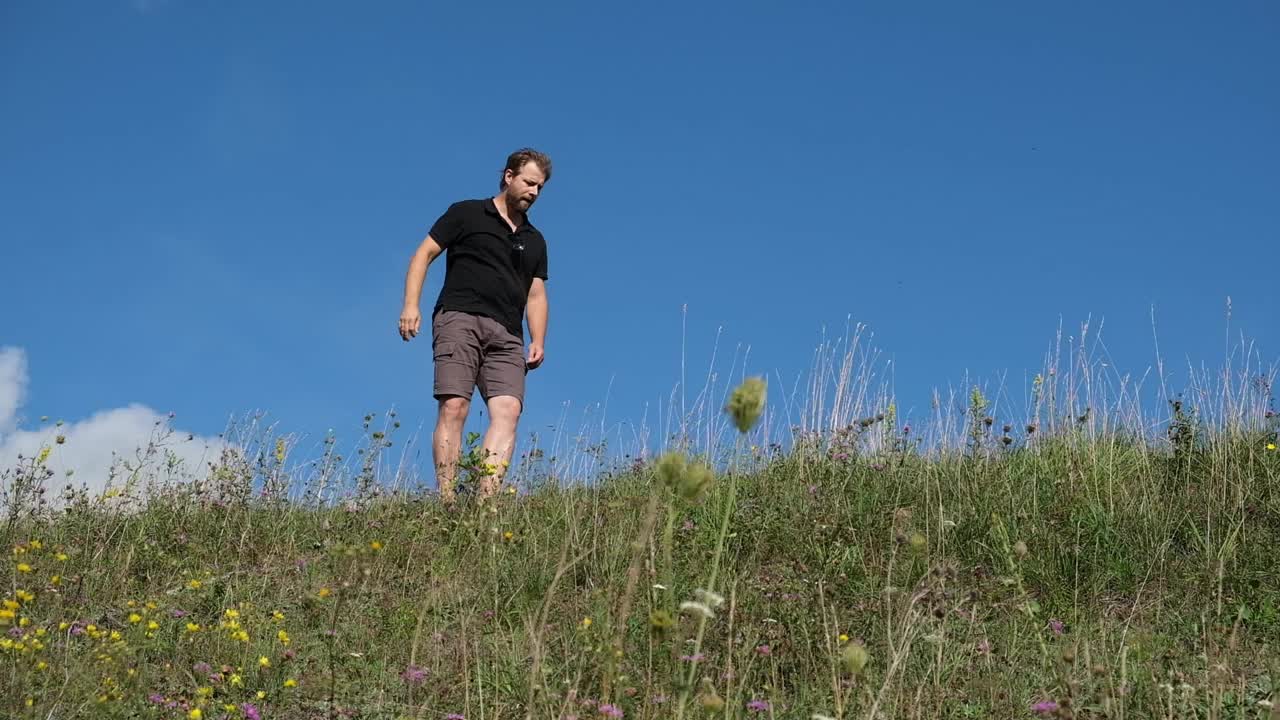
column 454, row 716
column 612, row 711
column 135, row 618
column 194, row 584
column 1271, row 446
column 279, row 616
column 764, row 650
column 193, row 627
column 375, row 545
column 1056, row 625
column 1045, row 707
column 250, row 711
column 843, row 638
column 758, row 706
column 60, row 557
column 413, row 675
column 747, row 403
column 283, row 637
column 264, row 661
column 195, row 714
column 24, row 568
column 586, row 623
column 236, row 680
column 324, row 592
column 290, row 683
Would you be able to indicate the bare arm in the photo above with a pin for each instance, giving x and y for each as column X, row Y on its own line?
column 411, row 315
column 536, row 311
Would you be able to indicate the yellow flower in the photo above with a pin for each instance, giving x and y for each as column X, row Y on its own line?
column 232, row 613
column 236, row 680
column 261, row 695
column 195, row 714
column 586, row 623
column 36, row 544
column 1271, row 446
column 55, row 580
column 264, row 661
column 42, row 665
column 291, row 683
column 60, row 557
column 375, row 545
column 324, row 592
column 283, row 636
column 25, row 596
column 135, row 618
column 153, row 625
column 24, row 568
column 194, row 584
column 844, row 638
column 193, row 627
column 278, row 615
column 507, row 535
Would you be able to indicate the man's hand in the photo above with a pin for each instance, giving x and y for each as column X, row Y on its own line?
column 410, row 323
column 535, row 356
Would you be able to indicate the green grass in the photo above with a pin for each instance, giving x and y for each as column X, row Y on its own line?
column 863, row 573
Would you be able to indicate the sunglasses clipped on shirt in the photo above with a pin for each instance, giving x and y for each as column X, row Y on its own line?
column 517, row 252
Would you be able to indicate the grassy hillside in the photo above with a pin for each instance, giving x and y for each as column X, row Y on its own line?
column 1062, row 572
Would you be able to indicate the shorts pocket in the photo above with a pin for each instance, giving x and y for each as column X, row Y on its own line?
column 445, row 351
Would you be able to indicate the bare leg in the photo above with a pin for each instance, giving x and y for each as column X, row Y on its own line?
column 499, row 441
column 446, row 443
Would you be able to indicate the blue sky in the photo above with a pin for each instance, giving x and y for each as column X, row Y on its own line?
column 207, row 208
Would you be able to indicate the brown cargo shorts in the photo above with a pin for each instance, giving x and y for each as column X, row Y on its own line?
column 474, row 350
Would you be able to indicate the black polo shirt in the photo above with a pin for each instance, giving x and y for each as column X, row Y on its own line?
column 488, row 268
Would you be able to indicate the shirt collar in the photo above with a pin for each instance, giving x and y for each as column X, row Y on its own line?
column 492, row 209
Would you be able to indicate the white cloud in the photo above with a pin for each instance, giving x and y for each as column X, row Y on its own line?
column 13, row 385
column 95, row 447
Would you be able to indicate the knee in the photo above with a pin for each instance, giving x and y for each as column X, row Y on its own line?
column 454, row 410
column 505, row 410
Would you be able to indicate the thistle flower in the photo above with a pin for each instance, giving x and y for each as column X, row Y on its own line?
column 747, row 403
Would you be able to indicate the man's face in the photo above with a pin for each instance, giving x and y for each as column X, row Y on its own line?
column 523, row 187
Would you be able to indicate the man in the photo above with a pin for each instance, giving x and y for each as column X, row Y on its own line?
column 495, row 270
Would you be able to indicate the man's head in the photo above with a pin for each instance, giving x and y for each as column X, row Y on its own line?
column 527, row 171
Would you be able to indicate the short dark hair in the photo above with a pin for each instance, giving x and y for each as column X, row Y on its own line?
column 517, row 159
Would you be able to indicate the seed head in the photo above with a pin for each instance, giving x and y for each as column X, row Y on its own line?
column 1020, row 549
column 747, row 403
column 854, row 658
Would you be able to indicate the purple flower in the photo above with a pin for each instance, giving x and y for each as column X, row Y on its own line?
column 15, row 632
column 413, row 675
column 612, row 711
column 1045, row 707
column 877, row 467
column 156, row 698
column 659, row 699
column 179, row 613
column 906, row 429
column 454, row 716
column 1056, row 625
column 202, row 668
column 250, row 711
column 764, row 650
column 984, row 646
column 758, row 706
column 696, row 657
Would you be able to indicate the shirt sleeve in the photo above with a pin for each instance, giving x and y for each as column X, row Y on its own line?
column 448, row 227
column 541, row 270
